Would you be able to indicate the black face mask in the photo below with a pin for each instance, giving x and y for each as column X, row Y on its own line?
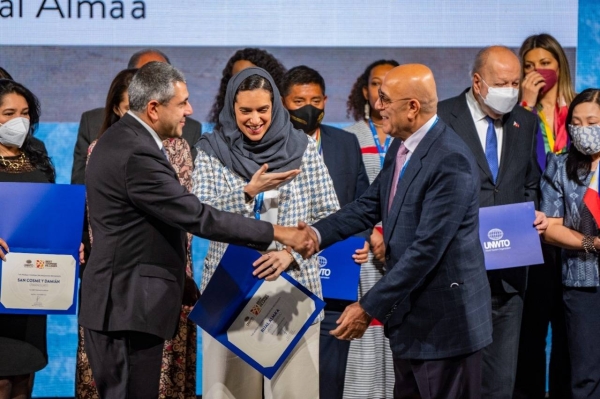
column 307, row 118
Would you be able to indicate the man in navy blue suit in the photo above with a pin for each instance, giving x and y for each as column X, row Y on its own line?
column 303, row 91
column 434, row 299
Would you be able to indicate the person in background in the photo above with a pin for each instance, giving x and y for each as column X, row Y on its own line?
column 178, row 370
column 91, row 121
column 570, row 199
column 502, row 141
column 22, row 159
column 256, row 135
column 370, row 369
column 243, row 59
column 4, row 74
column 546, row 91
column 303, row 94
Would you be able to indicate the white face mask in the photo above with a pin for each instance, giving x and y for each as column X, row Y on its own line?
column 14, row 132
column 501, row 99
column 586, row 138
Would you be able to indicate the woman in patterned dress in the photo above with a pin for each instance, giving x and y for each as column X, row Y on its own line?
column 370, row 369
column 256, row 135
column 22, row 337
column 178, row 370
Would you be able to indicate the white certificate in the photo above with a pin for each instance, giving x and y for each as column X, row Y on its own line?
column 270, row 321
column 38, row 281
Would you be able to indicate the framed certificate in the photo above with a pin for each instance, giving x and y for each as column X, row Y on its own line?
column 42, row 224
column 508, row 237
column 260, row 321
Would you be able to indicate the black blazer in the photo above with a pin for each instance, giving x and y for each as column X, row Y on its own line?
column 342, row 156
column 434, row 299
column 89, row 126
column 139, row 213
column 518, row 177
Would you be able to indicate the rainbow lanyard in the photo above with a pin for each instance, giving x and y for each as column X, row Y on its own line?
column 317, row 137
column 381, row 150
column 547, row 134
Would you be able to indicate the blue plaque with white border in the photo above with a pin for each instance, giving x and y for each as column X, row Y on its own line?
column 508, row 237
column 42, row 225
column 260, row 321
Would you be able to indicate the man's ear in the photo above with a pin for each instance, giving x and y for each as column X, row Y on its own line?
column 152, row 110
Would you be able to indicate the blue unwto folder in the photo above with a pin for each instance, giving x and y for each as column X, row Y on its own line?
column 508, row 237
column 339, row 273
column 260, row 321
column 42, row 224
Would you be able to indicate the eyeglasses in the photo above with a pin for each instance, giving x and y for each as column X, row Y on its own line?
column 386, row 101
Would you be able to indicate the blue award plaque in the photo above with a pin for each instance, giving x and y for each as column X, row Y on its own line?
column 508, row 237
column 42, row 225
column 339, row 273
column 260, row 321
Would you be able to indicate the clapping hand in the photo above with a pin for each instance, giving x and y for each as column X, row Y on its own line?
column 302, row 238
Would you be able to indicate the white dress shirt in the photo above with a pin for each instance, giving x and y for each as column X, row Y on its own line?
column 481, row 124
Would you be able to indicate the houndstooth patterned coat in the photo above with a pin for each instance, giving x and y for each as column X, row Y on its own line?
column 309, row 197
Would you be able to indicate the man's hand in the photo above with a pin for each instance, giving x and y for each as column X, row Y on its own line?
column 302, row 238
column 190, row 293
column 361, row 255
column 540, row 222
column 3, row 249
column 352, row 324
column 377, row 246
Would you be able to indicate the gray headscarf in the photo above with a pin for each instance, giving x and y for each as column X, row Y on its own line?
column 282, row 146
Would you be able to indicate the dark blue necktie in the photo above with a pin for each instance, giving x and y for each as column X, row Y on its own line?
column 491, row 148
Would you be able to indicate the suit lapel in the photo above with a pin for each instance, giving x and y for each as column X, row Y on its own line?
column 462, row 123
column 387, row 175
column 509, row 132
column 329, row 152
column 410, row 173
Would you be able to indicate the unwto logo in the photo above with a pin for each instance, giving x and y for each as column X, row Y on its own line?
column 324, row 272
column 496, row 242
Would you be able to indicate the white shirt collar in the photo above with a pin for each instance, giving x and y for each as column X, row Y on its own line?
column 413, row 141
column 474, row 106
column 149, row 129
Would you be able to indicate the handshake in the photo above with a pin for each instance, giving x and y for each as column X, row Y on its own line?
column 302, row 239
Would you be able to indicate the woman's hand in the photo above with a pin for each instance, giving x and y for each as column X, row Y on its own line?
column 81, row 254
column 3, row 249
column 272, row 264
column 262, row 181
column 377, row 246
column 361, row 255
column 531, row 85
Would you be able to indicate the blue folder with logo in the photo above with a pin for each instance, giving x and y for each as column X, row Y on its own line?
column 42, row 224
column 508, row 237
column 339, row 273
column 260, row 321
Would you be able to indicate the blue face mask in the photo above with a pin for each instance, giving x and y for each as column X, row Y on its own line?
column 14, row 132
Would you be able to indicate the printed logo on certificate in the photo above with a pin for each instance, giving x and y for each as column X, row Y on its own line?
column 37, row 281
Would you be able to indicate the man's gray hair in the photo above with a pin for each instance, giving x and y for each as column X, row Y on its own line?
column 153, row 81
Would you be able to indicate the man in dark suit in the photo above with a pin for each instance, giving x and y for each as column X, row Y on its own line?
column 91, row 121
column 501, row 137
column 303, row 95
column 434, row 299
column 133, row 285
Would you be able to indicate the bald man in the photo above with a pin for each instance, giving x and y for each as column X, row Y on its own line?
column 434, row 299
column 501, row 137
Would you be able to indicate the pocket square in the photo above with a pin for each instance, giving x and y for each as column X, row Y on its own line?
column 515, row 124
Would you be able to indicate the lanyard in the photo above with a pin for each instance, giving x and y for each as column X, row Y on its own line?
column 403, row 169
column 318, row 140
column 258, row 203
column 381, row 150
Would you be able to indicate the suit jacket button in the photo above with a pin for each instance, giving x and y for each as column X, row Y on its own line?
column 496, row 190
column 387, row 257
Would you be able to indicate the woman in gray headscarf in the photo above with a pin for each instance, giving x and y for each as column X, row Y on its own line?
column 258, row 165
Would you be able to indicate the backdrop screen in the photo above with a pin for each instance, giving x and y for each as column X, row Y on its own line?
column 68, row 51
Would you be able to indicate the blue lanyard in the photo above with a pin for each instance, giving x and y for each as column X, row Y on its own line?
column 258, row 203
column 381, row 150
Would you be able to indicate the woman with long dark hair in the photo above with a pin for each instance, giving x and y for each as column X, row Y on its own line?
column 259, row 166
column 570, row 199
column 22, row 159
